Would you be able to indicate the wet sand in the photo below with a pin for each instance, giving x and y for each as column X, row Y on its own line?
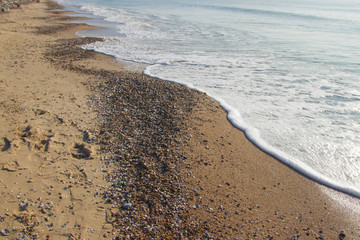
column 90, row 151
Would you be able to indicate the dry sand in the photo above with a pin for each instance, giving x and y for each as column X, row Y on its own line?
column 50, row 174
column 90, row 151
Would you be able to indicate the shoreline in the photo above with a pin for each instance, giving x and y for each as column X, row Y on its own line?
column 177, row 168
column 234, row 117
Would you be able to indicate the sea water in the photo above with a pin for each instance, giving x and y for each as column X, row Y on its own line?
column 287, row 71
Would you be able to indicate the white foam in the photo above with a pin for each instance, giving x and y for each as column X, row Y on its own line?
column 253, row 135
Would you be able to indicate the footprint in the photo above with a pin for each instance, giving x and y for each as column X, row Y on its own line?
column 11, row 166
column 80, row 151
column 58, row 120
column 75, row 172
column 39, row 112
column 26, row 218
column 35, row 138
column 6, row 144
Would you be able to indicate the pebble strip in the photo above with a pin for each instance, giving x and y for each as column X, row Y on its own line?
column 143, row 127
column 6, row 5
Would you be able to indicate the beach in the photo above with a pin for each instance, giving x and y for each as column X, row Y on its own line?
column 93, row 151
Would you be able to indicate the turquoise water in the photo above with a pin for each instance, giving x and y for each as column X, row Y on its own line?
column 288, row 72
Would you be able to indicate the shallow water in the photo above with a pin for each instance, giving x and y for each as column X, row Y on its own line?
column 286, row 71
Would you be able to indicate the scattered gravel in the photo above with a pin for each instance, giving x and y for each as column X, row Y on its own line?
column 143, row 129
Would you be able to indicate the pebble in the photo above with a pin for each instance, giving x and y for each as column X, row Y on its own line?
column 127, row 206
column 5, row 9
column 342, row 235
column 5, row 232
column 6, row 5
column 23, row 205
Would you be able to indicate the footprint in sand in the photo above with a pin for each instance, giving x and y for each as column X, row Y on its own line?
column 39, row 112
column 11, row 166
column 75, row 172
column 80, row 151
column 35, row 138
column 6, row 145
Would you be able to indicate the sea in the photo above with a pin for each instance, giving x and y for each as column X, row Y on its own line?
column 286, row 71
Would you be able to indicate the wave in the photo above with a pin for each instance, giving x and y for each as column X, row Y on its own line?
column 283, row 14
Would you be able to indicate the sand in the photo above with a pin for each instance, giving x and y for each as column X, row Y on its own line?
column 90, row 151
column 50, row 173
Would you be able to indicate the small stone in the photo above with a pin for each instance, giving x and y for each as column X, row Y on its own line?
column 342, row 235
column 23, row 205
column 5, row 9
column 5, row 232
column 207, row 235
column 127, row 206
